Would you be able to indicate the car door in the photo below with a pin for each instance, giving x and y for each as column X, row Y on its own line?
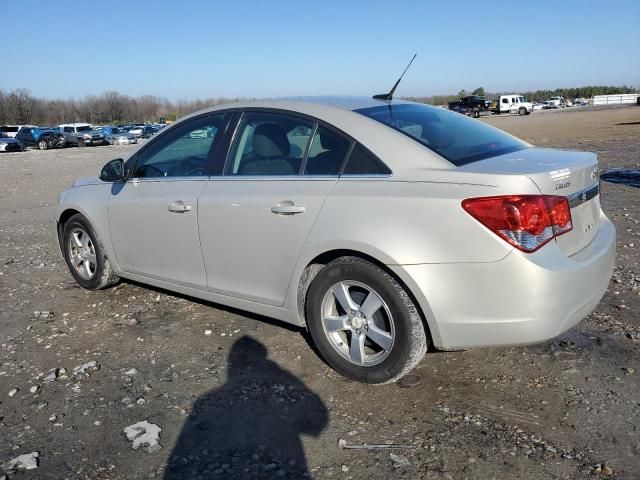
column 153, row 215
column 255, row 217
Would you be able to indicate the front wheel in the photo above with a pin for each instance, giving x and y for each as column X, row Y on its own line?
column 85, row 255
column 43, row 145
column 363, row 322
column 522, row 111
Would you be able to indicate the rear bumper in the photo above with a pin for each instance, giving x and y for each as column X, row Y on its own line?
column 519, row 300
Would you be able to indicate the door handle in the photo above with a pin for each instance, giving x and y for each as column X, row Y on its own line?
column 179, row 207
column 287, row 208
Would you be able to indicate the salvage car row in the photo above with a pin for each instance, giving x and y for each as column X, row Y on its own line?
column 16, row 138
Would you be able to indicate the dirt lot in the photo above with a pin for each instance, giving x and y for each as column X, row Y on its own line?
column 239, row 396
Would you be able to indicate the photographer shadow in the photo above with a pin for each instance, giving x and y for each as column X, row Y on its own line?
column 251, row 426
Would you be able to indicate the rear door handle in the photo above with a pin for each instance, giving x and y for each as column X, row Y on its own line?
column 179, row 207
column 287, row 208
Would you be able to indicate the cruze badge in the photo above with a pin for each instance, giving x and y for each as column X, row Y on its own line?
column 562, row 176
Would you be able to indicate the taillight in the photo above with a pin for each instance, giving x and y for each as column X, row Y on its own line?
column 525, row 221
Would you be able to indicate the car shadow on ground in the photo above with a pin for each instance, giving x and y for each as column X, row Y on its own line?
column 251, row 426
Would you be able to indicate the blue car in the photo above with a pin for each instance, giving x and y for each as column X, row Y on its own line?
column 43, row 138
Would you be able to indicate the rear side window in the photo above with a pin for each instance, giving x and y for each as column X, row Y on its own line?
column 269, row 144
column 326, row 153
column 361, row 162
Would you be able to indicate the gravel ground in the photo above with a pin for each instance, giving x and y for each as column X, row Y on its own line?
column 241, row 396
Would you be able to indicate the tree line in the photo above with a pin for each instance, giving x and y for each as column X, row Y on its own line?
column 535, row 96
column 20, row 107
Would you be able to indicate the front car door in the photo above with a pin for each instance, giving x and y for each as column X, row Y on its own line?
column 153, row 215
column 255, row 217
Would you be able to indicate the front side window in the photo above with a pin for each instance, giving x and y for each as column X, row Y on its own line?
column 269, row 144
column 182, row 152
column 457, row 138
column 68, row 129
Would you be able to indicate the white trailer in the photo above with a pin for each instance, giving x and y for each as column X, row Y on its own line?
column 615, row 99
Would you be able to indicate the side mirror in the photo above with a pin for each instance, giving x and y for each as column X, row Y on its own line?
column 113, row 171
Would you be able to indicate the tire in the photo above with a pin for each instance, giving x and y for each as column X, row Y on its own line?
column 522, row 111
column 395, row 323
column 42, row 145
column 81, row 246
column 476, row 114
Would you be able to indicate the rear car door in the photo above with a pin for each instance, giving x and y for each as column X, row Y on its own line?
column 255, row 217
column 153, row 215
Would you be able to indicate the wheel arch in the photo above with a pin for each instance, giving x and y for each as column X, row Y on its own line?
column 87, row 202
column 63, row 218
column 316, row 264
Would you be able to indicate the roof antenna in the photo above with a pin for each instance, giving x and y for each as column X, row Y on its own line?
column 387, row 97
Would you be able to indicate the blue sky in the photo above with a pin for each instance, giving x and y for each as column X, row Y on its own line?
column 251, row 48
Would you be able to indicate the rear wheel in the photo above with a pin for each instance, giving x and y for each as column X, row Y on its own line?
column 363, row 322
column 43, row 145
column 85, row 255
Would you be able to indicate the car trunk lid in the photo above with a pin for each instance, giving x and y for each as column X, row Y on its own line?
column 557, row 172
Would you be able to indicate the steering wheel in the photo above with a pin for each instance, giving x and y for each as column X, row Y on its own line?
column 145, row 170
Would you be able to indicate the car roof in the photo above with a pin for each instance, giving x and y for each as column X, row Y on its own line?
column 306, row 104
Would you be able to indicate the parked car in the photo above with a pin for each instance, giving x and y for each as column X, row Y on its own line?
column 144, row 131
column 10, row 144
column 12, row 130
column 137, row 131
column 383, row 227
column 43, row 138
column 81, row 134
column 117, row 136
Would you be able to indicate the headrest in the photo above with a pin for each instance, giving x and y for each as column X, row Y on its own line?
column 270, row 141
column 330, row 141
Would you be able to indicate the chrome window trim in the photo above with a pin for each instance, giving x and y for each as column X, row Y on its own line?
column 272, row 178
column 299, row 178
column 583, row 196
column 167, row 179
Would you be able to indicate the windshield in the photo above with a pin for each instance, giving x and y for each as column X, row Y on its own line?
column 455, row 137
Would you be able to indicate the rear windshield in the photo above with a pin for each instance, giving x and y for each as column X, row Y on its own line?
column 455, row 137
column 9, row 129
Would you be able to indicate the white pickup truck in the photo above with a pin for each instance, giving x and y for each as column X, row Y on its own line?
column 556, row 102
column 512, row 103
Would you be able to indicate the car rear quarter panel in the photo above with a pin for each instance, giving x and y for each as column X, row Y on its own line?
column 402, row 222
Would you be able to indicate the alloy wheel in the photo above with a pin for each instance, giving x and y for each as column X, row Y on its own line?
column 82, row 253
column 358, row 323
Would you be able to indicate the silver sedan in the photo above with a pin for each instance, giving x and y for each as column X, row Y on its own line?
column 384, row 228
